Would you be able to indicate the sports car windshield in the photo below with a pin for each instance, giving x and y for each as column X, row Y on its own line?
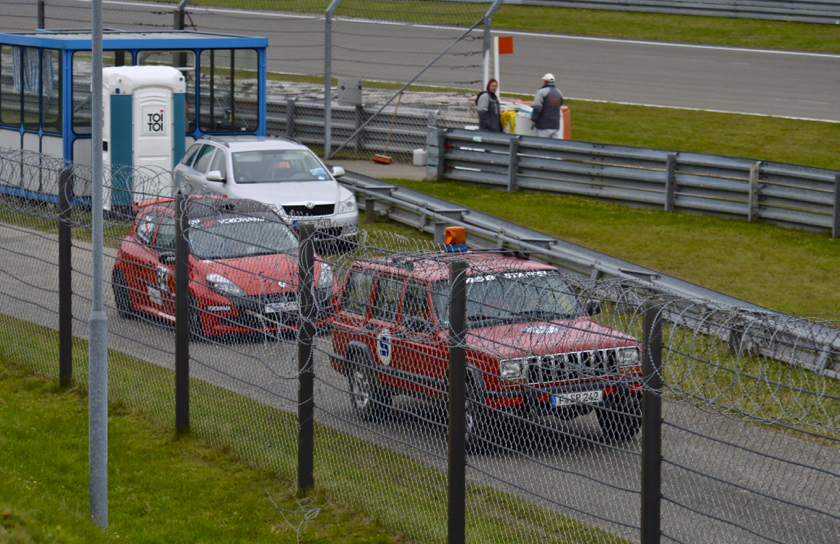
column 514, row 295
column 271, row 165
column 240, row 236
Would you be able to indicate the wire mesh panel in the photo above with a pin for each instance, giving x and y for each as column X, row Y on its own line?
column 555, row 370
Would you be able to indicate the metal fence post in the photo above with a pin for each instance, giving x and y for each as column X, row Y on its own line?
column 457, row 401
column 651, row 497
column 835, row 228
column 41, row 15
column 182, row 316
column 670, row 181
column 306, row 373
column 65, row 279
column 513, row 167
column 755, row 169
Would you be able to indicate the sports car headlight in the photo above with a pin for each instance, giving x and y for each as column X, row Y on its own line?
column 347, row 206
column 514, row 370
column 325, row 279
column 628, row 358
column 222, row 285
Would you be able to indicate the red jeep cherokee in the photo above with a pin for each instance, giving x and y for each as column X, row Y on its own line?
column 532, row 348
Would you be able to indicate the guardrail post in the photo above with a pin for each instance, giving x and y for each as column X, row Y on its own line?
column 65, row 279
column 306, row 373
column 755, row 170
column 359, row 141
column 514, row 163
column 835, row 228
column 182, row 316
column 670, row 181
column 440, row 233
column 290, row 118
column 651, row 496
column 457, row 402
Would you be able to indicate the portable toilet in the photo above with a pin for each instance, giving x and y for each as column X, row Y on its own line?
column 144, row 117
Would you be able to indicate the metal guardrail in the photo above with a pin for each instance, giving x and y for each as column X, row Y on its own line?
column 784, row 194
column 818, row 345
column 805, row 11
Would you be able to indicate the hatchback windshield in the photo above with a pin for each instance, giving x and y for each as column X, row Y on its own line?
column 234, row 236
column 511, row 295
column 272, row 165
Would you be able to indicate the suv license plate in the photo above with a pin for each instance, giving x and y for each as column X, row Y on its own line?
column 280, row 307
column 580, row 397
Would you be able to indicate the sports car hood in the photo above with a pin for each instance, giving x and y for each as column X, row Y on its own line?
column 282, row 193
column 259, row 275
column 540, row 338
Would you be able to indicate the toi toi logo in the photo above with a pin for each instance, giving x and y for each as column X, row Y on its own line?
column 155, row 122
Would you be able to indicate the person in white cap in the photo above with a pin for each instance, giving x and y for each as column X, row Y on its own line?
column 546, row 114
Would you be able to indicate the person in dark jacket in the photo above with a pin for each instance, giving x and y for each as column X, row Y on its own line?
column 489, row 112
column 546, row 114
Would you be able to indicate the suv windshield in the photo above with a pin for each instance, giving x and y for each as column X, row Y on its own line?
column 271, row 165
column 239, row 236
column 512, row 295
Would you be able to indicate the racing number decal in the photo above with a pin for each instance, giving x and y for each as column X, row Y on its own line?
column 383, row 346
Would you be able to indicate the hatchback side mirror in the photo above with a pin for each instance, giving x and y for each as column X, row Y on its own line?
column 338, row 171
column 215, row 175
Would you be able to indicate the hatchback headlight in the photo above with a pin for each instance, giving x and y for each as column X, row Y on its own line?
column 347, row 206
column 325, row 279
column 224, row 286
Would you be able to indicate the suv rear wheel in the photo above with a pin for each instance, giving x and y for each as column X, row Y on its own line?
column 620, row 417
column 370, row 400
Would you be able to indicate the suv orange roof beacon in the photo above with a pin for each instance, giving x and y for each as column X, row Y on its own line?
column 532, row 347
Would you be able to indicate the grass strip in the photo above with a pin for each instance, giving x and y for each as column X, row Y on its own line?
column 169, row 488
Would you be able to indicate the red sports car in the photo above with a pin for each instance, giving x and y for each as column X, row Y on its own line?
column 243, row 268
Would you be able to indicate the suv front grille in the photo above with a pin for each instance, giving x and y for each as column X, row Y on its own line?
column 303, row 211
column 563, row 367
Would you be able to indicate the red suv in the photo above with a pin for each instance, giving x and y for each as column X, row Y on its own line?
column 532, row 347
column 243, row 267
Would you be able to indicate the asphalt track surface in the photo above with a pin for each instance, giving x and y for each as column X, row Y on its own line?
column 564, row 467
column 727, row 79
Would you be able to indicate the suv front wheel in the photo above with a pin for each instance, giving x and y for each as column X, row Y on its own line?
column 620, row 417
column 370, row 400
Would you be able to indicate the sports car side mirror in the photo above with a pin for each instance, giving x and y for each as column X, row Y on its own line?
column 593, row 307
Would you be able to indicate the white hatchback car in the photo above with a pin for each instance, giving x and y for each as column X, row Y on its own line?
column 284, row 174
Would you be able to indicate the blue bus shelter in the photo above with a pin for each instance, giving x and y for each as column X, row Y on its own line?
column 45, row 79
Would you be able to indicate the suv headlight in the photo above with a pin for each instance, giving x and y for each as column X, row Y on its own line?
column 513, row 370
column 628, row 359
column 347, row 206
column 325, row 278
column 224, row 286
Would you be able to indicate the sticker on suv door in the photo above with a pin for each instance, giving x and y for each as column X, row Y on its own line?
column 383, row 346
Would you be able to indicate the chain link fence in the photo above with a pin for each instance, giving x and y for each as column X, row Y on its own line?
column 337, row 373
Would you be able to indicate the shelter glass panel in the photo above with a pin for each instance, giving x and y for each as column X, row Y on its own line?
column 31, row 99
column 51, row 90
column 229, row 90
column 10, row 85
column 82, row 62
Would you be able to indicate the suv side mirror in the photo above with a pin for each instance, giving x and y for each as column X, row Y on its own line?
column 418, row 324
column 338, row 171
column 215, row 175
column 593, row 307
